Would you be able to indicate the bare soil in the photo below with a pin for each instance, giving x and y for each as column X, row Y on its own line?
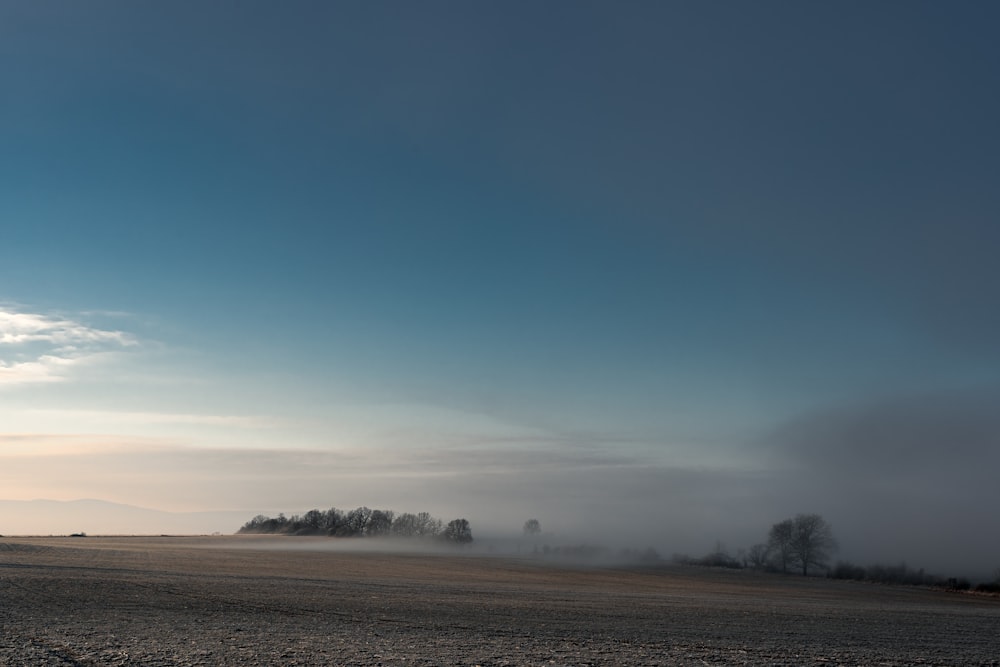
column 244, row 601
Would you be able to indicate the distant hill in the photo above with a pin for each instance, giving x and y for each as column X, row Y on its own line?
column 99, row 517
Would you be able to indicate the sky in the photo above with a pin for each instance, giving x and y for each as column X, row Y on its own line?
column 663, row 271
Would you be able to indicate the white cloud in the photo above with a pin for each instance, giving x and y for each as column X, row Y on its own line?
column 38, row 348
column 19, row 328
column 111, row 418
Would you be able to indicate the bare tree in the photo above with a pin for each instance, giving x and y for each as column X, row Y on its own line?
column 355, row 522
column 458, row 531
column 779, row 541
column 532, row 528
column 757, row 556
column 332, row 520
column 812, row 541
column 427, row 526
column 379, row 522
column 405, row 525
column 359, row 522
column 312, row 522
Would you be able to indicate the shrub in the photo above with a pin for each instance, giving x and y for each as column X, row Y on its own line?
column 847, row 570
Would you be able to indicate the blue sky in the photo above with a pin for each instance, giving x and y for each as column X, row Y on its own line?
column 379, row 253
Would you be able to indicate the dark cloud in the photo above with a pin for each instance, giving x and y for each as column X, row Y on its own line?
column 918, row 438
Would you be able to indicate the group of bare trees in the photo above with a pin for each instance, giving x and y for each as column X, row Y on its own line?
column 361, row 522
column 805, row 543
column 802, row 543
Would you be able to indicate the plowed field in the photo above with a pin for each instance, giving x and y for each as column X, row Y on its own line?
column 288, row 601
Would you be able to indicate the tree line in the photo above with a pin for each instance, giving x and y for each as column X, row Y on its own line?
column 361, row 522
column 805, row 543
column 802, row 543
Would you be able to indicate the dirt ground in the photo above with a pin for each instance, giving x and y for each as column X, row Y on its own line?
column 245, row 601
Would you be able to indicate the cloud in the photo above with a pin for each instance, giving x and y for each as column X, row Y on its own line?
column 19, row 328
column 44, row 369
column 575, row 492
column 14, row 446
column 916, row 437
column 117, row 418
column 38, row 348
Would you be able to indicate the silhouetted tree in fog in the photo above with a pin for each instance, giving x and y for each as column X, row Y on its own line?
column 356, row 521
column 805, row 541
column 428, row 526
column 532, row 528
column 757, row 556
column 812, row 541
column 779, row 542
column 313, row 522
column 405, row 525
column 359, row 522
column 458, row 531
column 379, row 523
column 333, row 518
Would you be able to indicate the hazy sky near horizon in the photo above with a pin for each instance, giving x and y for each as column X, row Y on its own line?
column 701, row 264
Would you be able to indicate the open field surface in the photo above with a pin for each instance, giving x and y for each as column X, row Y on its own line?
column 250, row 601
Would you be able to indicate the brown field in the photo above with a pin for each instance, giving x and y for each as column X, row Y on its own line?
column 239, row 601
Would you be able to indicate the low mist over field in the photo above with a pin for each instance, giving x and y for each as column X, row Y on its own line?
column 655, row 274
